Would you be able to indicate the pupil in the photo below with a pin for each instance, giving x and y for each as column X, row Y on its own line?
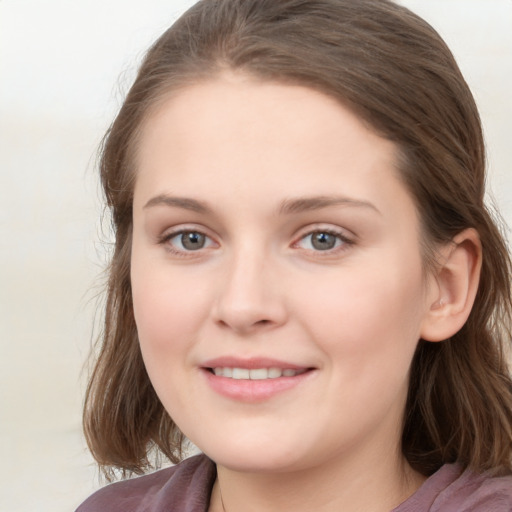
column 323, row 241
column 192, row 241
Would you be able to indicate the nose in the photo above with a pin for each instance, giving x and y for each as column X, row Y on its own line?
column 251, row 296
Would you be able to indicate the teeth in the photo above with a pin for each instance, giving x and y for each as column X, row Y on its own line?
column 259, row 374
column 273, row 373
column 256, row 373
column 240, row 373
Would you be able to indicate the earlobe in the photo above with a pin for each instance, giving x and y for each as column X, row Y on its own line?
column 456, row 284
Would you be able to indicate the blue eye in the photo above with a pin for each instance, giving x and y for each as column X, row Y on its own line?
column 322, row 241
column 187, row 241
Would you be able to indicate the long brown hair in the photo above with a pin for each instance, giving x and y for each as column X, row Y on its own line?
column 395, row 72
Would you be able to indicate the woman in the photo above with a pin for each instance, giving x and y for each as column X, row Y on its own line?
column 306, row 282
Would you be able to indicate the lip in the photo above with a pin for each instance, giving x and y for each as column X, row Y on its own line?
column 253, row 391
column 250, row 363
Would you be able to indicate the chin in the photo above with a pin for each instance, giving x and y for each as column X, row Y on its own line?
column 256, row 458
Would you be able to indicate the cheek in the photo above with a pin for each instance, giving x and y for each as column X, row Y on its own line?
column 372, row 315
column 168, row 321
column 168, row 306
column 165, row 317
column 368, row 331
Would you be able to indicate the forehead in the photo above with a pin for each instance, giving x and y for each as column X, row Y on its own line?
column 238, row 135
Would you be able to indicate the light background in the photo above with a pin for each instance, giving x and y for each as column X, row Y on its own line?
column 64, row 67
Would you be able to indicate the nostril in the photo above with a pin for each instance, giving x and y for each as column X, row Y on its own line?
column 241, row 323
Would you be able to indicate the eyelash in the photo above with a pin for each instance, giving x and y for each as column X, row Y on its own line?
column 342, row 241
column 166, row 241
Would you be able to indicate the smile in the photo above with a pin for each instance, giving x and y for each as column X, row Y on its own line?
column 257, row 384
column 254, row 379
column 255, row 373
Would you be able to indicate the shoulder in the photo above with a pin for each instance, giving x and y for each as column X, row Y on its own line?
column 477, row 492
column 453, row 490
column 187, row 484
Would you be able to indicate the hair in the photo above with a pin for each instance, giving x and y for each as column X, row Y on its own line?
column 395, row 72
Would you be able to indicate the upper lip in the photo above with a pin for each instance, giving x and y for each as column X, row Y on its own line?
column 250, row 363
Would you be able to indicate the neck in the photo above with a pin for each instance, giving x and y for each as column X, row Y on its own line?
column 379, row 485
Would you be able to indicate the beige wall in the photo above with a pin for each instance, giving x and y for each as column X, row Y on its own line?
column 59, row 68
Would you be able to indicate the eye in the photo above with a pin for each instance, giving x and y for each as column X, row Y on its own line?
column 187, row 241
column 322, row 240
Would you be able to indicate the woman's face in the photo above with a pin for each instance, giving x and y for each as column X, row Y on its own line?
column 277, row 278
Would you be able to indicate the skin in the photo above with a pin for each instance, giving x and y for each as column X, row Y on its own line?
column 352, row 314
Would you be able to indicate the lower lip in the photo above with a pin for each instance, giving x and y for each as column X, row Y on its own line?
column 246, row 390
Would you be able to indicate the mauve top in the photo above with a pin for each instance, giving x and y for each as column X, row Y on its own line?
column 187, row 488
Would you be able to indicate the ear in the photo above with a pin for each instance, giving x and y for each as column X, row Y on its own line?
column 453, row 287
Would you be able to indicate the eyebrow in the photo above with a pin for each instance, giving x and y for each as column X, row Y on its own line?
column 288, row 206
column 305, row 204
column 186, row 203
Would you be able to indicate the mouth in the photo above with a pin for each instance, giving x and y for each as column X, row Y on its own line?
column 256, row 379
column 255, row 373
